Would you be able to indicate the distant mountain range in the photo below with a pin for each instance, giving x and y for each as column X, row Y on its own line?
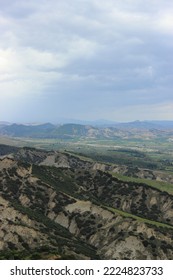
column 73, row 130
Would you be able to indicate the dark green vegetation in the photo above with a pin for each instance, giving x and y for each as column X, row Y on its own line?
column 103, row 188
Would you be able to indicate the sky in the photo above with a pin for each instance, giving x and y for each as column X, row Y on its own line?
column 86, row 60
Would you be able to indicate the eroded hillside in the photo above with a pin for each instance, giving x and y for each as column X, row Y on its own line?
column 56, row 205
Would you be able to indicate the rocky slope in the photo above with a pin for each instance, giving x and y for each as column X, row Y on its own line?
column 55, row 205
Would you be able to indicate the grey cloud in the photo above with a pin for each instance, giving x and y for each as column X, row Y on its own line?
column 89, row 54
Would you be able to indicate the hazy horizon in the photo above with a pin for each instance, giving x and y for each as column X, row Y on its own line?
column 86, row 60
column 87, row 122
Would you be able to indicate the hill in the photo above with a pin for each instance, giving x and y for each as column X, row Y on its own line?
column 137, row 129
column 55, row 205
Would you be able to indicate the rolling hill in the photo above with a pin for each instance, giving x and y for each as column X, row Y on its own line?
column 137, row 129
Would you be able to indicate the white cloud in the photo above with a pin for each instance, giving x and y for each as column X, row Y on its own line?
column 9, row 61
column 28, row 71
column 164, row 23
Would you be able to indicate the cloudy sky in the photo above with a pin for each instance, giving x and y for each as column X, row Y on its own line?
column 86, row 60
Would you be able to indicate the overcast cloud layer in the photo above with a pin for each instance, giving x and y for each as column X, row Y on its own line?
column 86, row 59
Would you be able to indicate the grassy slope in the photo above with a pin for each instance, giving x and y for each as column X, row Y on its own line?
column 162, row 186
column 139, row 219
